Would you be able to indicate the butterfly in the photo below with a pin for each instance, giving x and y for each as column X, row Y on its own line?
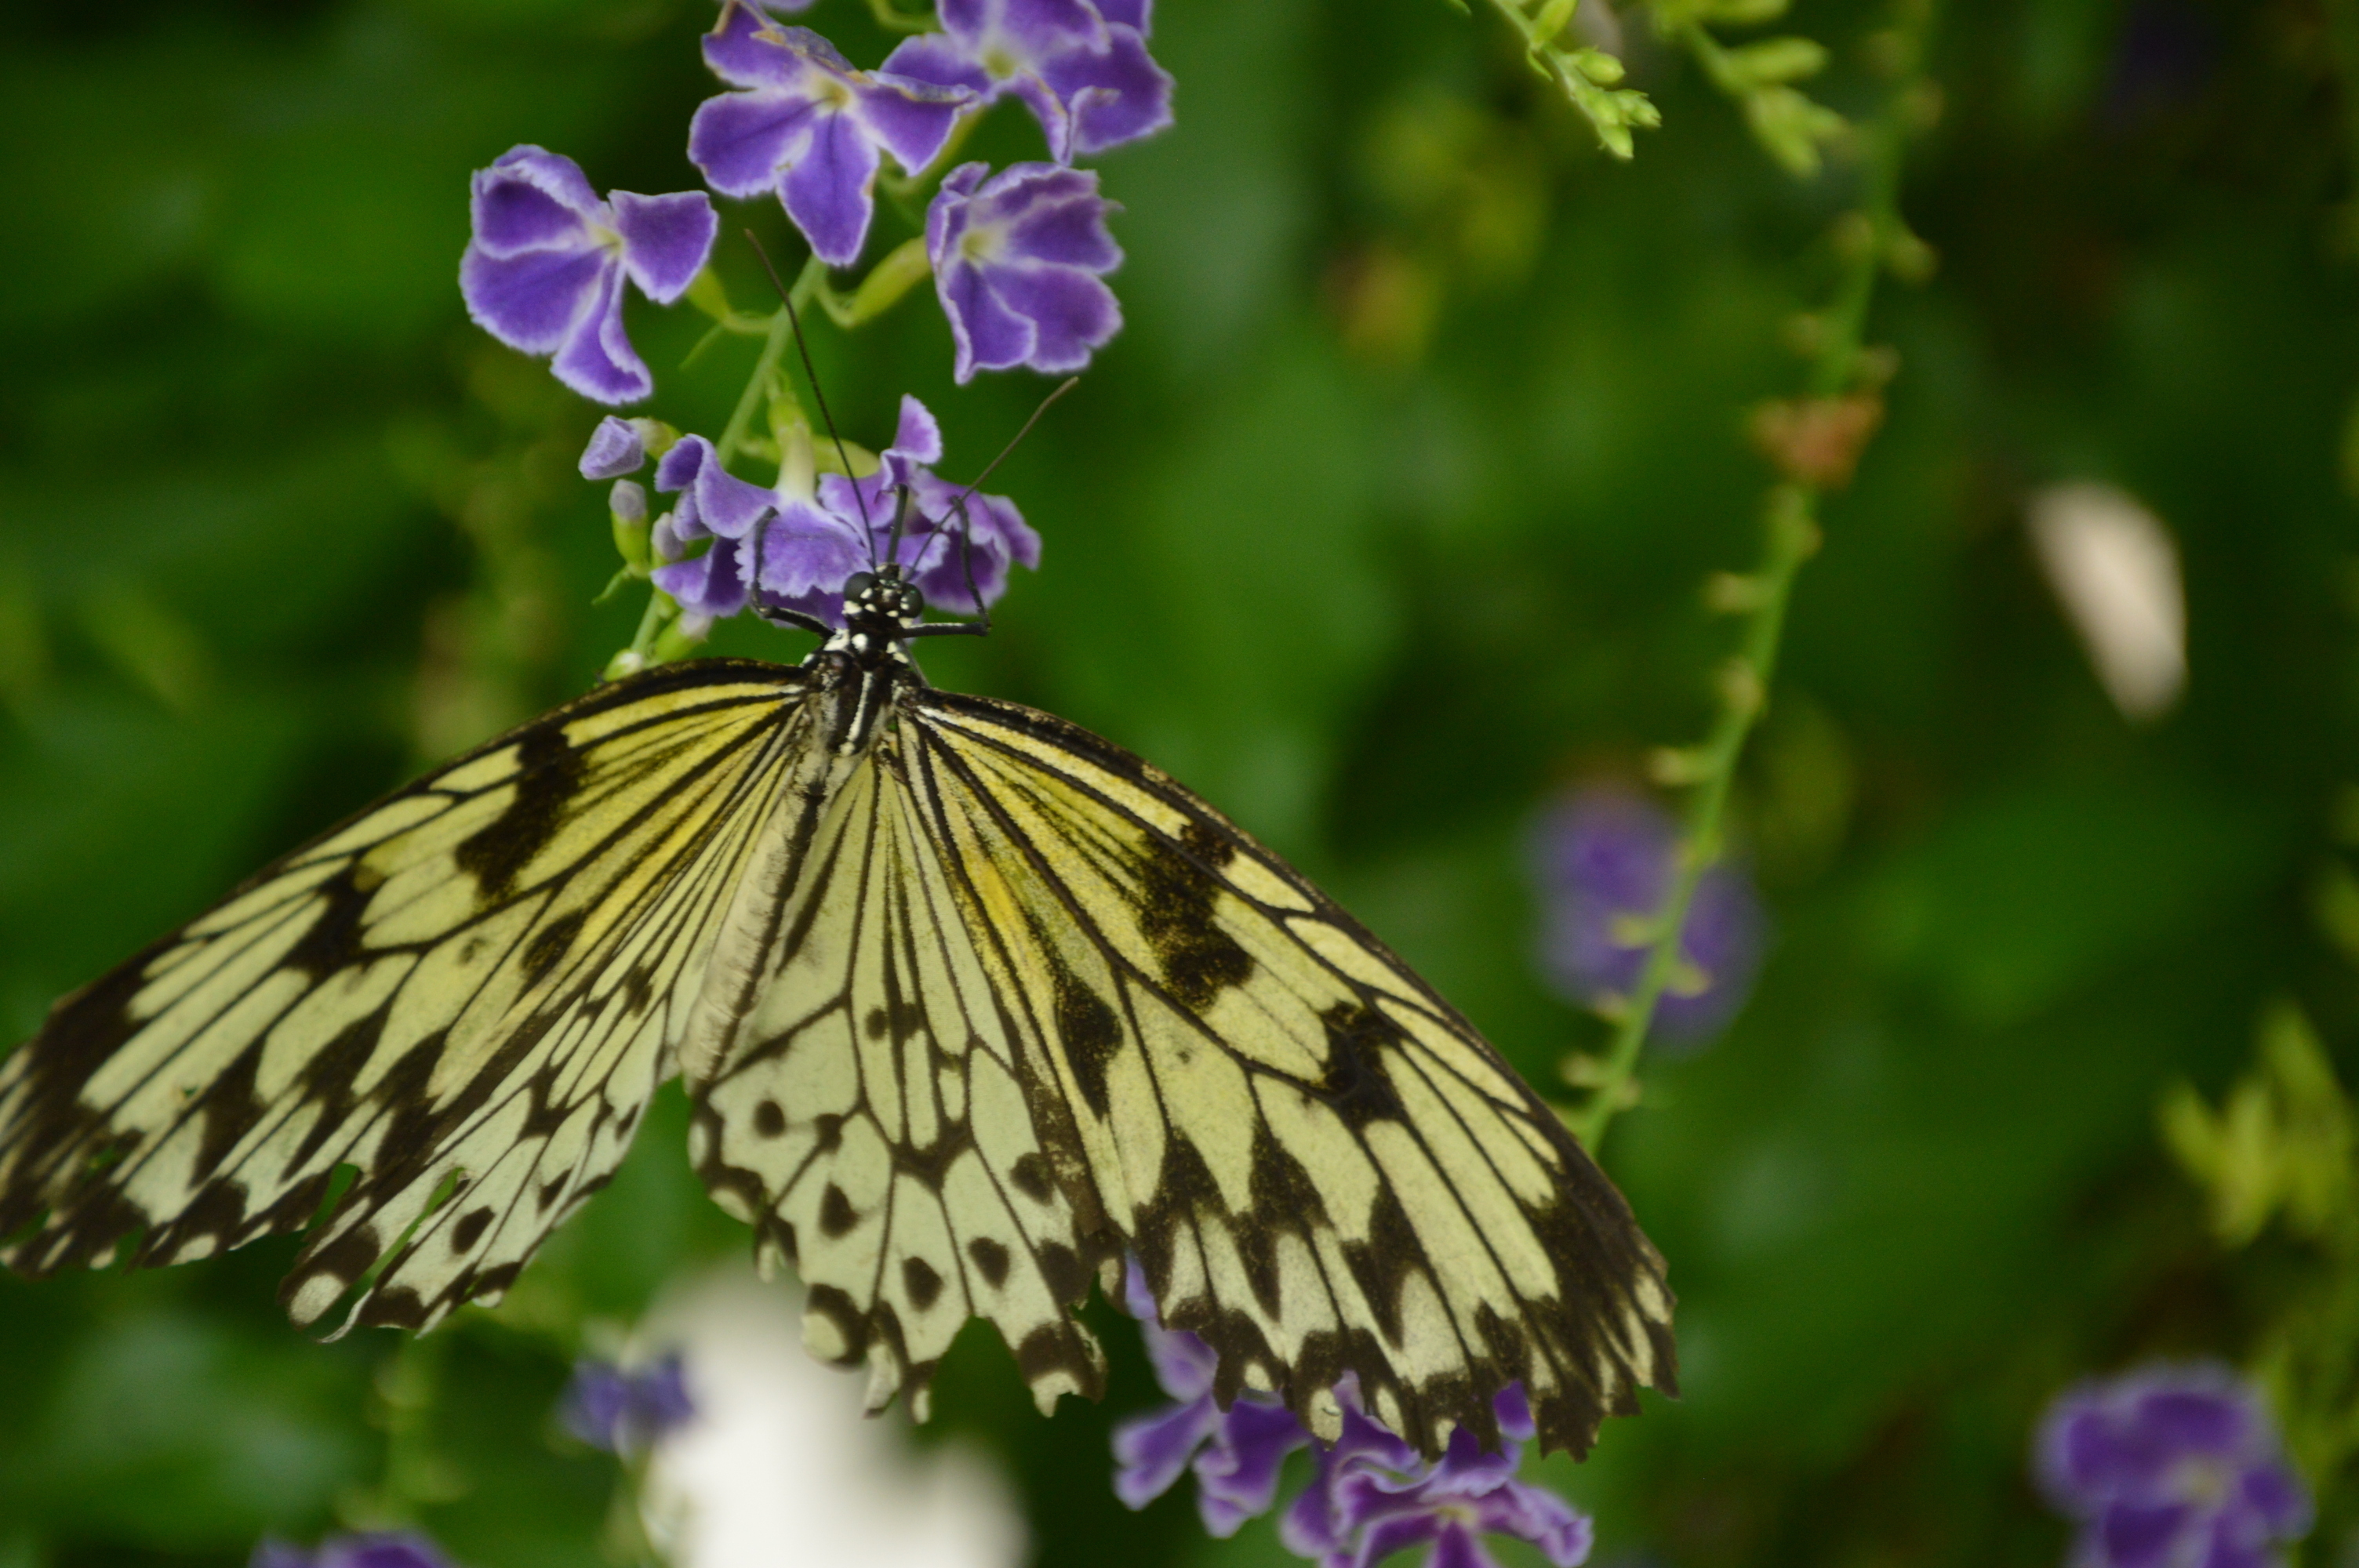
column 971, row 1005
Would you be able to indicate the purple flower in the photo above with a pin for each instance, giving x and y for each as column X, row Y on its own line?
column 811, row 127
column 544, row 271
column 2169, row 1465
column 948, row 533
column 1605, row 860
column 1237, row 1454
column 391, row 1548
column 793, row 551
column 620, row 446
column 1018, row 260
column 1081, row 69
column 1373, row 1496
column 627, row 1411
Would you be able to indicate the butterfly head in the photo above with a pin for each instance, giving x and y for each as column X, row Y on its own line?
column 884, row 599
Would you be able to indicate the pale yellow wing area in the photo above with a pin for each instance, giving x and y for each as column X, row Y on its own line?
column 869, row 1114
column 1323, row 1168
column 466, row 993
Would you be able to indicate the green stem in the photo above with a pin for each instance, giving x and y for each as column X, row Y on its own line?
column 1791, row 530
column 774, row 348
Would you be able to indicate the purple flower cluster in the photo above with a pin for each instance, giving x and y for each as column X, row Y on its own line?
column 2170, row 1465
column 1018, row 257
column 1605, row 860
column 387, row 1548
column 728, row 544
column 1372, row 1494
column 626, row 1412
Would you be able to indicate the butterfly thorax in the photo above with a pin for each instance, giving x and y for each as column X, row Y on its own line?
column 869, row 659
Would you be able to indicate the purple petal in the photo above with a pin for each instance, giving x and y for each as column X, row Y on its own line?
column 1393, row 1533
column 1514, row 1413
column 1236, row 1477
column 1151, row 1450
column 511, row 215
column 2194, row 1419
column 665, row 240
column 1455, row 1546
column 917, row 438
column 727, row 505
column 390, row 1548
column 713, row 584
column 2135, row 1535
column 807, row 549
column 1064, row 230
column 1562, row 1532
column 1114, row 96
column 2276, row 1496
column 532, row 197
column 1072, row 313
column 934, row 59
column 827, row 190
column 984, row 333
column 740, row 140
column 1134, row 14
column 615, row 449
column 749, row 51
column 532, row 301
column 1053, row 112
column 596, row 360
column 1184, row 1364
column 910, row 118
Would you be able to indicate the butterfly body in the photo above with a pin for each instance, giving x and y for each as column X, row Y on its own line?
column 970, row 1002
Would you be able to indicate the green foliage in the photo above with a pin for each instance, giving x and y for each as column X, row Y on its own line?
column 1390, row 514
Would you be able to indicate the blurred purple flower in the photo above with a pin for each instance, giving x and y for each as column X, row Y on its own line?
column 1373, row 1496
column 1605, row 860
column 1081, row 69
column 1237, row 1454
column 544, row 270
column 389, row 1549
column 624, row 1412
column 1017, row 261
column 2169, row 1465
column 808, row 127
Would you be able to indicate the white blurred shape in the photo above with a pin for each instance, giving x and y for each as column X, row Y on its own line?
column 2113, row 564
column 781, row 1468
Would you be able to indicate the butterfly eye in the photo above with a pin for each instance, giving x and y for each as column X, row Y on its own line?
column 857, row 585
column 913, row 603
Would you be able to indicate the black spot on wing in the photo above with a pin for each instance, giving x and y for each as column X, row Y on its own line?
column 923, row 1284
column 1032, row 1176
column 1199, row 959
column 990, row 1259
column 1088, row 1033
column 1356, row 1087
column 549, row 772
column 836, row 1214
column 470, row 1230
column 769, row 1121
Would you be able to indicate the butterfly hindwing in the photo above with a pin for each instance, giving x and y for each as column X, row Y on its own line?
column 870, row 1116
column 467, row 991
column 1323, row 1168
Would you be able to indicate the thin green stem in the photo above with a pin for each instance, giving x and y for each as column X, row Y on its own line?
column 1791, row 536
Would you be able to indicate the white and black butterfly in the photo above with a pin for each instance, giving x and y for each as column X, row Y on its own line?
column 970, row 1003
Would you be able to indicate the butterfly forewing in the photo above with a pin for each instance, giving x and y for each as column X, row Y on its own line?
column 467, row 991
column 1321, row 1167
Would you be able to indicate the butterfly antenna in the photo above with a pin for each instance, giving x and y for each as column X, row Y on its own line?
column 795, row 319
column 1069, row 383
column 966, row 554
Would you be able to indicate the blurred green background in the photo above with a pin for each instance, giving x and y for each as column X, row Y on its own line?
column 1382, row 523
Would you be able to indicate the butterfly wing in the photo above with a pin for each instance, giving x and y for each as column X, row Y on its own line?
column 867, row 1109
column 1323, row 1168
column 467, row 992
